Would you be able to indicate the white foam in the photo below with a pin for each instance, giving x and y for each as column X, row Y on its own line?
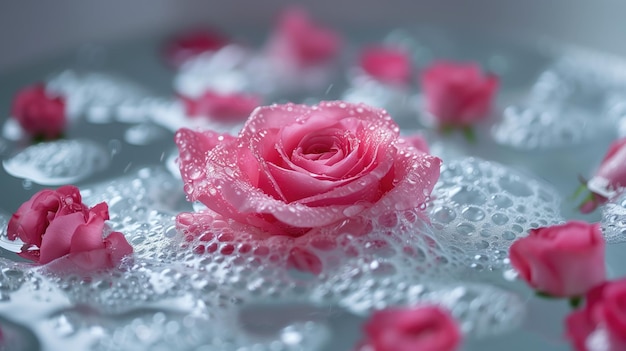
column 572, row 102
column 171, row 115
column 58, row 162
column 102, row 97
column 614, row 219
column 479, row 208
column 396, row 100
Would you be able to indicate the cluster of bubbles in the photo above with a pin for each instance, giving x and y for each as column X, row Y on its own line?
column 394, row 259
column 235, row 68
column 575, row 100
column 58, row 162
column 142, row 205
column 101, row 97
column 614, row 219
column 480, row 207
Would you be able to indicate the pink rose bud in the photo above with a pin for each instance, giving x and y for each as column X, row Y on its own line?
column 603, row 317
column 232, row 107
column 420, row 328
column 387, row 64
column 297, row 167
column 55, row 223
column 563, row 260
column 299, row 40
column 458, row 94
column 39, row 113
column 191, row 44
column 609, row 178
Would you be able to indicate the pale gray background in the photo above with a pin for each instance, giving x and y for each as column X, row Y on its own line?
column 31, row 29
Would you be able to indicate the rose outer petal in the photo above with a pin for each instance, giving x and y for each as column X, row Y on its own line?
column 88, row 236
column 117, row 247
column 57, row 240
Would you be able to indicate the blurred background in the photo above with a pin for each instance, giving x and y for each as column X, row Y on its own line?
column 33, row 30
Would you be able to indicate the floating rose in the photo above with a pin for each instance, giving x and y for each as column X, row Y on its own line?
column 230, row 107
column 609, row 178
column 386, row 64
column 297, row 167
column 191, row 44
column 427, row 328
column 55, row 223
column 39, row 113
column 458, row 95
column 299, row 41
column 562, row 260
column 603, row 318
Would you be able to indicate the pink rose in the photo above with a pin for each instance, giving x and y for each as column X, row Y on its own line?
column 191, row 44
column 427, row 328
column 233, row 107
column 417, row 141
column 386, row 64
column 457, row 94
column 297, row 167
column 604, row 315
column 609, row 177
column 563, row 260
column 39, row 113
column 299, row 40
column 55, row 223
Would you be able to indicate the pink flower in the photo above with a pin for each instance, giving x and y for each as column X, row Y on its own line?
column 39, row 113
column 563, row 260
column 191, row 44
column 386, row 64
column 55, row 223
column 297, row 167
column 457, row 94
column 417, row 141
column 609, row 177
column 603, row 316
column 233, row 107
column 427, row 328
column 298, row 40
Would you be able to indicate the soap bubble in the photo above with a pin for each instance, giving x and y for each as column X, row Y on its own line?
column 481, row 207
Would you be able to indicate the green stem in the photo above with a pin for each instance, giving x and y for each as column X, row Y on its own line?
column 578, row 191
column 40, row 138
column 470, row 136
column 587, row 198
column 575, row 301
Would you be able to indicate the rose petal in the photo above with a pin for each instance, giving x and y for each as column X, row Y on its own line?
column 304, row 260
column 84, row 261
column 117, row 247
column 56, row 241
column 191, row 44
column 298, row 39
column 194, row 147
column 387, row 64
column 229, row 108
column 414, row 177
column 88, row 236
